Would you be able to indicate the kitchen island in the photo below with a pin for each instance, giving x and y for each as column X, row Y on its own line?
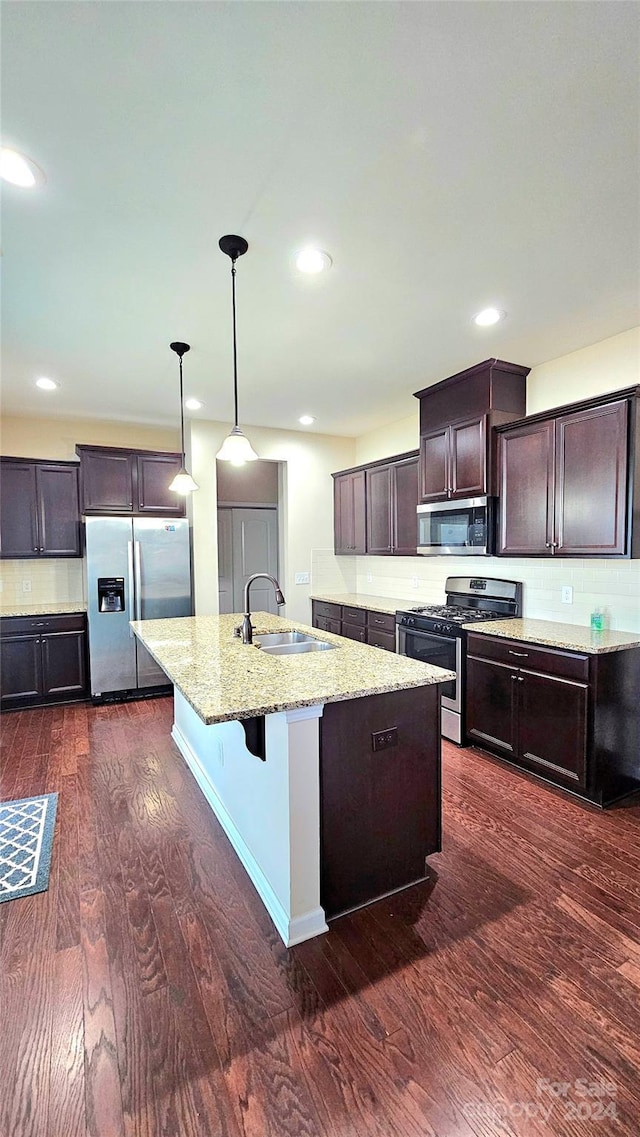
column 322, row 768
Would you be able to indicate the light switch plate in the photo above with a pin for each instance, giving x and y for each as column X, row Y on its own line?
column 302, row 578
column 26, row 586
column 566, row 595
column 414, row 582
column 369, row 578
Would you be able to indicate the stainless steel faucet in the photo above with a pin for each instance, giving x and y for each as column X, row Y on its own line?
column 246, row 629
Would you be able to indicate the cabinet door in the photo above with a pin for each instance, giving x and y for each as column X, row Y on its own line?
column 378, row 483
column 435, row 483
column 468, row 458
column 58, row 510
column 155, row 472
column 327, row 624
column 491, row 704
column 64, row 663
column 353, row 632
column 591, row 482
column 380, row 809
column 350, row 513
column 404, row 490
column 386, row 640
column 19, row 535
column 526, row 490
column 20, row 669
column 553, row 727
column 107, row 481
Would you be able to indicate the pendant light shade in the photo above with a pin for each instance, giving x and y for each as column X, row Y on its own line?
column 183, row 482
column 236, row 447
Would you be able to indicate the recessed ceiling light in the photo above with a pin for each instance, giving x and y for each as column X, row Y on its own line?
column 306, row 420
column 47, row 384
column 487, row 317
column 20, row 170
column 193, row 404
column 312, row 260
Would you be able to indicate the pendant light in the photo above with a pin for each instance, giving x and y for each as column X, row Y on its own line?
column 236, row 447
column 183, row 482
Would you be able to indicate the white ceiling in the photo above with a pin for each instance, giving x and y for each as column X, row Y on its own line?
column 447, row 156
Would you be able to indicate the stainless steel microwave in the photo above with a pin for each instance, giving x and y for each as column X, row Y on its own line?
column 462, row 528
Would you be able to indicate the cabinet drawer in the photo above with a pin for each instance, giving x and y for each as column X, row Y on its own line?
column 382, row 621
column 531, row 657
column 386, row 640
column 354, row 615
column 354, row 631
column 37, row 625
column 322, row 608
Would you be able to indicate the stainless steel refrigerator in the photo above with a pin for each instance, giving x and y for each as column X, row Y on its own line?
column 136, row 569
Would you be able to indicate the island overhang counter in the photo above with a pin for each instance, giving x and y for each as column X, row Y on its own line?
column 322, row 768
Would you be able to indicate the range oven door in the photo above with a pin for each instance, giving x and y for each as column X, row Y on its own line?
column 440, row 651
column 464, row 528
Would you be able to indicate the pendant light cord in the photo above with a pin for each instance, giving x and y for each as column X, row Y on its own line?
column 182, row 416
column 235, row 349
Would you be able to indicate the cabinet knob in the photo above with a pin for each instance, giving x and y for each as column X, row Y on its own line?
column 554, row 544
column 547, row 544
column 520, row 679
column 36, row 549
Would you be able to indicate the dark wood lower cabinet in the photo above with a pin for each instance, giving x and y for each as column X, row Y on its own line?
column 569, row 717
column 380, row 809
column 43, row 660
column 366, row 625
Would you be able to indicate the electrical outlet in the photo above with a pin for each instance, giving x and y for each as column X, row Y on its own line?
column 414, row 582
column 369, row 578
column 302, row 578
column 383, row 739
column 566, row 595
column 26, row 586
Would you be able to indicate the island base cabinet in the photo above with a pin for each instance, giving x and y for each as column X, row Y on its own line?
column 380, row 809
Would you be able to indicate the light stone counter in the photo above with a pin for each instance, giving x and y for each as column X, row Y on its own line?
column 359, row 600
column 62, row 609
column 571, row 637
column 224, row 679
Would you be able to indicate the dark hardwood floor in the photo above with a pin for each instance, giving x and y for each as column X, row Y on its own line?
column 146, row 992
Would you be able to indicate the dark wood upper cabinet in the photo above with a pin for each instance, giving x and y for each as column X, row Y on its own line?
column 350, row 532
column 568, row 481
column 40, row 509
column 375, row 507
column 128, row 481
column 591, row 474
column 457, row 458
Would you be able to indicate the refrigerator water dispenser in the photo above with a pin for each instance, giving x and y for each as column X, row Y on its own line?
column 111, row 594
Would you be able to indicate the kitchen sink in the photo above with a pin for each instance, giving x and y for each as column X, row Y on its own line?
column 290, row 643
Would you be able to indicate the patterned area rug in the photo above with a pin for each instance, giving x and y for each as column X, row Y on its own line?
column 26, row 837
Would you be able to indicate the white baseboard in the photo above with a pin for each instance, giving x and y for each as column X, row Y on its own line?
column 292, row 930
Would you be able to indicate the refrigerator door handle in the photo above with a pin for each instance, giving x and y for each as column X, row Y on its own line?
column 131, row 582
column 138, row 579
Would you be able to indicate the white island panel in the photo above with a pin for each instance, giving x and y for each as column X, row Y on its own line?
column 270, row 810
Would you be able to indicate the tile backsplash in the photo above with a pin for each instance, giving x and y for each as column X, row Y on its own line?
column 612, row 586
column 52, row 581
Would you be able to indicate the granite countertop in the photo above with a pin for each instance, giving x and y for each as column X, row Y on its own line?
column 224, row 679
column 571, row 637
column 62, row 609
column 359, row 600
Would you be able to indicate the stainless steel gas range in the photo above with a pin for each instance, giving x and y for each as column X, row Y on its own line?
column 435, row 634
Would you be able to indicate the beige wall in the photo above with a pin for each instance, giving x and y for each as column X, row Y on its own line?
column 56, row 438
column 388, row 440
column 606, row 366
column 306, row 513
